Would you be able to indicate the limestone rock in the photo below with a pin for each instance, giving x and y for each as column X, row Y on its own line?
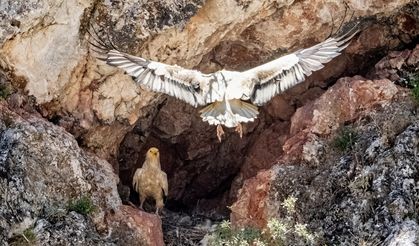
column 340, row 104
column 361, row 194
column 44, row 53
column 352, row 197
column 250, row 209
column 42, row 171
column 44, row 42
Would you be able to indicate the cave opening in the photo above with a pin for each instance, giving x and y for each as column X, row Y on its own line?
column 200, row 169
column 202, row 172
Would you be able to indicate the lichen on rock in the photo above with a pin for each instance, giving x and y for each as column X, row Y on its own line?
column 52, row 73
column 42, row 171
column 360, row 194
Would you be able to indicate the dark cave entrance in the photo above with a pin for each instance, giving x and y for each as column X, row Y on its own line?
column 200, row 170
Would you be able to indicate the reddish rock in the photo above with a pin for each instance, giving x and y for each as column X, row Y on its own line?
column 280, row 108
column 341, row 103
column 146, row 226
column 267, row 148
column 413, row 59
column 373, row 37
column 389, row 66
column 262, row 154
column 249, row 210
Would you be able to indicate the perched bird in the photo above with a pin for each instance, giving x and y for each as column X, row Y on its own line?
column 229, row 97
column 150, row 180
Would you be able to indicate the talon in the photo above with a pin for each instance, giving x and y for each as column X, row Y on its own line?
column 220, row 132
column 239, row 129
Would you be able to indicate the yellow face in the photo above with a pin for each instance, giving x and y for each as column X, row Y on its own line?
column 153, row 151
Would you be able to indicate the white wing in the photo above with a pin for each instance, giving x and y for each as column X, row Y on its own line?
column 278, row 75
column 163, row 182
column 190, row 86
column 136, row 179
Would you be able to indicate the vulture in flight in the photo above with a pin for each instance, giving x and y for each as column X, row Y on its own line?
column 227, row 98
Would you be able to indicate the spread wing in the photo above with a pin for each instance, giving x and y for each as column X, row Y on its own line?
column 278, row 75
column 163, row 183
column 136, row 178
column 188, row 85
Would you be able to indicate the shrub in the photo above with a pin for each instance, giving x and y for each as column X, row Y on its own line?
column 28, row 237
column 5, row 90
column 83, row 205
column 345, row 139
column 278, row 231
column 413, row 82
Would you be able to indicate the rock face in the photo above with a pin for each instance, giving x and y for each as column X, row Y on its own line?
column 362, row 192
column 42, row 171
column 51, row 71
column 364, row 195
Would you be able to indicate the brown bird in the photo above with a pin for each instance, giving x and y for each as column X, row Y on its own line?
column 150, row 180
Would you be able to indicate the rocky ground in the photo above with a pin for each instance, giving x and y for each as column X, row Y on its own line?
column 73, row 130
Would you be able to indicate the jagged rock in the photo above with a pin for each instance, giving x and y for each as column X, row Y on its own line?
column 390, row 66
column 359, row 195
column 43, row 42
column 340, row 104
column 249, row 209
column 43, row 171
column 405, row 234
column 362, row 195
column 44, row 52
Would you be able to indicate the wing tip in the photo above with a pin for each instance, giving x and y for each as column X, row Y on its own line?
column 346, row 37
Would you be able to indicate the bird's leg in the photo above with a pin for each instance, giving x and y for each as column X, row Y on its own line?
column 132, row 204
column 239, row 129
column 157, row 210
column 142, row 199
column 220, row 132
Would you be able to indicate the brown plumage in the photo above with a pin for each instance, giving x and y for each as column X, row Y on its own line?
column 150, row 180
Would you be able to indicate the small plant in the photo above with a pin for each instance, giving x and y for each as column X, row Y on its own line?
column 28, row 237
column 83, row 205
column 5, row 90
column 289, row 204
column 278, row 231
column 345, row 139
column 225, row 235
column 413, row 81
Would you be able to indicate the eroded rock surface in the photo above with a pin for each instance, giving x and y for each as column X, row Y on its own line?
column 44, row 52
column 43, row 43
column 365, row 194
column 351, row 162
column 43, row 171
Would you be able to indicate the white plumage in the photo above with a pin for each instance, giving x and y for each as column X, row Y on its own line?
column 230, row 97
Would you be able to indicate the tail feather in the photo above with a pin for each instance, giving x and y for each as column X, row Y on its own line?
column 217, row 114
column 213, row 109
column 244, row 109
